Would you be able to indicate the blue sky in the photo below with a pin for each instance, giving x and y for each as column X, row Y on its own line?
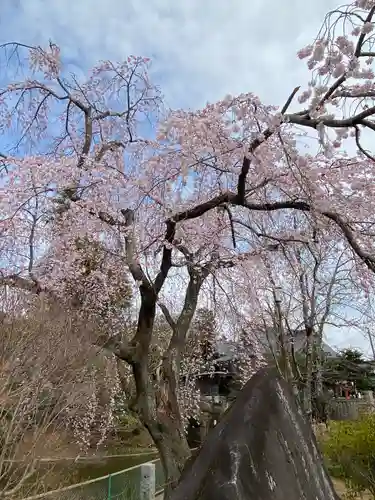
column 200, row 50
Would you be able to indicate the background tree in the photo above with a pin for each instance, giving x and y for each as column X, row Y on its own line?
column 323, row 288
column 350, row 366
column 204, row 330
column 47, row 388
column 315, row 284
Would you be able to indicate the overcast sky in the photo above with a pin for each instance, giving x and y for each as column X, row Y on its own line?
column 201, row 50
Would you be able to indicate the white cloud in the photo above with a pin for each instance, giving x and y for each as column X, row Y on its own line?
column 201, row 50
column 347, row 337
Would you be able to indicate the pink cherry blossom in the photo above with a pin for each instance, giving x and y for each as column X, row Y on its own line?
column 89, row 203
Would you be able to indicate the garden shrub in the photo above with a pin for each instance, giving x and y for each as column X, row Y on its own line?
column 349, row 448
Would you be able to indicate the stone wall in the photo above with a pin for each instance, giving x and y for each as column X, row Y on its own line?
column 351, row 409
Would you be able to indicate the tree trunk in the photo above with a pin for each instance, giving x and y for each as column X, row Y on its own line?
column 173, row 449
column 164, row 423
column 371, row 343
column 309, row 372
column 317, row 362
column 167, row 429
column 159, row 410
column 157, row 392
column 285, row 364
column 157, row 396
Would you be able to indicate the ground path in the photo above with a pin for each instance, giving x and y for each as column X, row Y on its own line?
column 341, row 490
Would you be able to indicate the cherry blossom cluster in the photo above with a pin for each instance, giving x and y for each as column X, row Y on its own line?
column 93, row 417
column 345, row 58
column 226, row 178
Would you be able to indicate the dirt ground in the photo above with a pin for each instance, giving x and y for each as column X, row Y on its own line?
column 341, row 490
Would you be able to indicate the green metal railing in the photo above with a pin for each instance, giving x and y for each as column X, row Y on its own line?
column 122, row 485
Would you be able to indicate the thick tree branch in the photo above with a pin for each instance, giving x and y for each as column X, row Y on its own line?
column 262, row 234
column 166, row 261
column 164, row 309
column 241, row 186
column 358, row 119
column 231, row 198
column 357, row 53
column 133, row 263
column 116, row 346
column 15, row 281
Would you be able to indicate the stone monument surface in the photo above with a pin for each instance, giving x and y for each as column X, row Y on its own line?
column 262, row 449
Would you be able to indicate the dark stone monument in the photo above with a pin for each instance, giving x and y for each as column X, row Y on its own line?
column 262, row 449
